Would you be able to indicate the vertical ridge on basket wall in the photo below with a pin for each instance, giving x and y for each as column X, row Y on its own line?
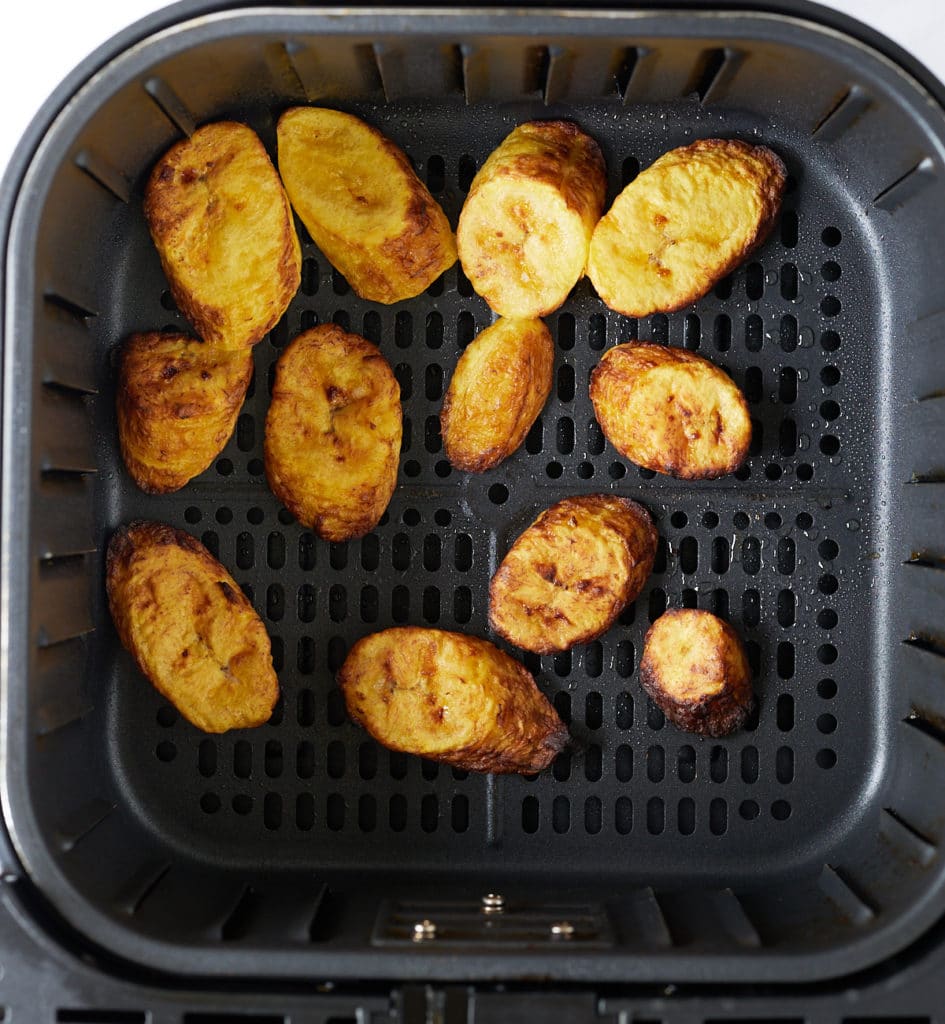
column 68, row 364
column 171, row 105
column 103, row 173
column 279, row 58
column 909, row 184
column 62, row 694
column 851, row 105
column 337, row 71
column 64, row 500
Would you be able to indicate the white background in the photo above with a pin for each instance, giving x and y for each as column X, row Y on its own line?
column 45, row 39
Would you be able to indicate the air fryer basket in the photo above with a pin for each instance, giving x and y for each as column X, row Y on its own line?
column 806, row 846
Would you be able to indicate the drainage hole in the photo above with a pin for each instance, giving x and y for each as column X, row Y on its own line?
column 499, row 493
column 780, row 810
column 825, row 759
column 749, row 810
column 209, row 803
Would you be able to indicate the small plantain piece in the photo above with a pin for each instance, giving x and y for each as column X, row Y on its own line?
column 190, row 628
column 695, row 670
column 177, row 403
column 363, row 205
column 671, row 411
column 223, row 227
column 572, row 572
column 499, row 387
column 452, row 698
column 333, row 432
column 683, row 224
column 526, row 224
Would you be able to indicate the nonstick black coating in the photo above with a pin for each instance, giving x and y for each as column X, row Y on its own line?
column 795, row 835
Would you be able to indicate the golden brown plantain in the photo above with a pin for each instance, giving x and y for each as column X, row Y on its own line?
column 363, row 205
column 222, row 224
column 572, row 572
column 177, row 403
column 526, row 224
column 671, row 411
column 190, row 628
column 695, row 670
column 683, row 224
column 452, row 698
column 333, row 432
column 499, row 387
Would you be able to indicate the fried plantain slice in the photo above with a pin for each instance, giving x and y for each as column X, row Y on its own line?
column 526, row 224
column 363, row 205
column 695, row 670
column 572, row 572
column 499, row 387
column 683, row 224
column 190, row 628
column 223, row 227
column 452, row 698
column 177, row 403
column 333, row 432
column 671, row 411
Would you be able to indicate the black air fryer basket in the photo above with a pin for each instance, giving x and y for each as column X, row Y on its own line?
column 806, row 848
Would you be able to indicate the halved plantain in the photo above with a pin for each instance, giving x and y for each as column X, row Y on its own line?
column 223, row 227
column 333, row 432
column 177, row 403
column 452, row 698
column 363, row 205
column 695, row 669
column 671, row 411
column 190, row 628
column 499, row 387
column 683, row 224
column 526, row 224
column 572, row 572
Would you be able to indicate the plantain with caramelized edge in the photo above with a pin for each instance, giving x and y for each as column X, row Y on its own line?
column 695, row 670
column 683, row 224
column 363, row 205
column 190, row 628
column 671, row 411
column 499, row 387
column 526, row 224
column 572, row 572
column 177, row 403
column 452, row 698
column 333, row 432
column 223, row 227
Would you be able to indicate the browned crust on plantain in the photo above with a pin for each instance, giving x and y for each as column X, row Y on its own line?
column 510, row 377
column 411, row 249
column 772, row 192
column 166, row 211
column 526, row 735
column 527, row 221
column 412, row 259
column 242, row 691
column 554, row 163
column 177, row 402
column 611, row 373
column 312, row 467
column 127, row 539
column 636, row 535
column 713, row 715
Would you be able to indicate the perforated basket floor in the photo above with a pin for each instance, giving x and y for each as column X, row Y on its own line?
column 770, row 550
column 787, row 844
